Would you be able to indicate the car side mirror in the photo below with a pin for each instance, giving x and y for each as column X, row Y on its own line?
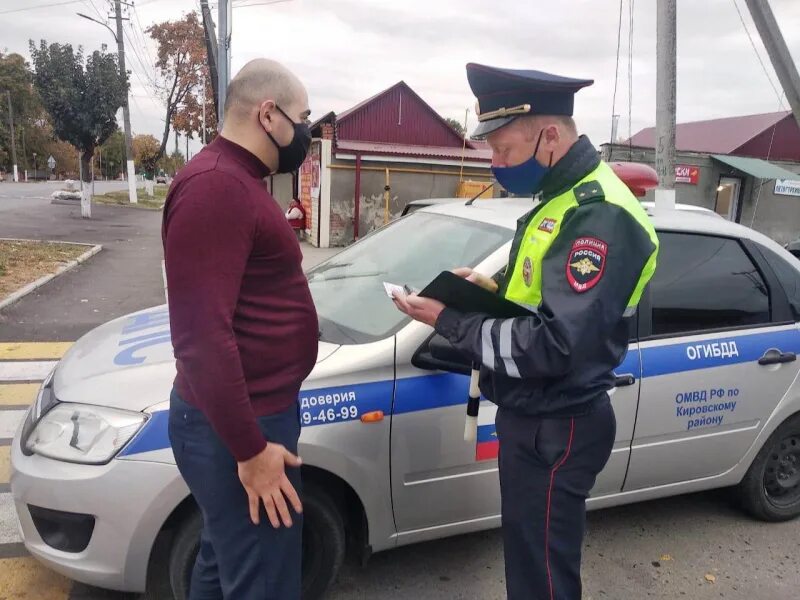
column 438, row 354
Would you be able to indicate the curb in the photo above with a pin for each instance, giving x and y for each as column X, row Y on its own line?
column 65, row 202
column 31, row 287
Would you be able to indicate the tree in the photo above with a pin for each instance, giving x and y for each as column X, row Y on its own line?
column 82, row 95
column 145, row 153
column 172, row 163
column 114, row 153
column 459, row 127
column 182, row 63
column 188, row 118
column 66, row 157
column 17, row 78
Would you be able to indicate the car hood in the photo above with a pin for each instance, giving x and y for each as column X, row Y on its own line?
column 126, row 363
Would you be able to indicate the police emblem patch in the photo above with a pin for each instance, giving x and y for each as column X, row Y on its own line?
column 527, row 271
column 548, row 225
column 586, row 263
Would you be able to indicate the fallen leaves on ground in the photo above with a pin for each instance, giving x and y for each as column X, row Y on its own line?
column 23, row 262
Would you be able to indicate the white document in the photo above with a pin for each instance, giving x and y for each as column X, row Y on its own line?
column 393, row 290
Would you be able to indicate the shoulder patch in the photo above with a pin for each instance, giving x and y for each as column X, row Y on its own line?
column 548, row 225
column 590, row 191
column 586, row 263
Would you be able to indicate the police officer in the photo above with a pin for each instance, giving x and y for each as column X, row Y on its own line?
column 580, row 261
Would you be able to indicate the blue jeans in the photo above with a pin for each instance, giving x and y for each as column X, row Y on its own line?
column 237, row 560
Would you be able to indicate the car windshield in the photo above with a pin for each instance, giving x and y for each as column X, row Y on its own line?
column 348, row 289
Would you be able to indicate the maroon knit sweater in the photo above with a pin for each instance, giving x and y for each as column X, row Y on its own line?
column 244, row 327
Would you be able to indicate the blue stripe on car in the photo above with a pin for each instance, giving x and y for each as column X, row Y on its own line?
column 448, row 389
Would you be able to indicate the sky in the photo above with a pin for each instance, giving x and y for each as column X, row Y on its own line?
column 347, row 50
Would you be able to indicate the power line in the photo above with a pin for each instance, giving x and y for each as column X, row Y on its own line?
column 144, row 36
column 616, row 80
column 136, row 46
column 151, row 82
column 630, row 79
column 265, row 3
column 93, row 6
column 758, row 55
column 27, row 8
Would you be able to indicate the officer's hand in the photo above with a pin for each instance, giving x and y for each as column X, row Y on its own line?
column 424, row 310
column 264, row 479
column 485, row 282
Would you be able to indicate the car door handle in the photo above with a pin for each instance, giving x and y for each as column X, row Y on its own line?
column 775, row 357
column 624, row 380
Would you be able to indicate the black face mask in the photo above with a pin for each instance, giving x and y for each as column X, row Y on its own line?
column 292, row 156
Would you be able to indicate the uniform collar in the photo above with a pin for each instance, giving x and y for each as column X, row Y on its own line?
column 251, row 163
column 580, row 160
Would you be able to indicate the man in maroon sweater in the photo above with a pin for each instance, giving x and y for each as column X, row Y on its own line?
column 245, row 333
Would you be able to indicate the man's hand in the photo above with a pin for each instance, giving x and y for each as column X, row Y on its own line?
column 264, row 479
column 424, row 310
column 485, row 282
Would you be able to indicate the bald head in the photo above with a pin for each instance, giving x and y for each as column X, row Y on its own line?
column 259, row 80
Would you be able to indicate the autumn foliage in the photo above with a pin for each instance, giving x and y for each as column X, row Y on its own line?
column 181, row 61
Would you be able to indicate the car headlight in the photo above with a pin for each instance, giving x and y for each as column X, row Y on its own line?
column 83, row 434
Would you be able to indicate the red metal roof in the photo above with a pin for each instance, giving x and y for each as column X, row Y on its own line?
column 397, row 115
column 414, row 150
column 716, row 136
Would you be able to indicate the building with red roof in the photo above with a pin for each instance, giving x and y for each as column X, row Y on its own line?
column 368, row 162
column 746, row 168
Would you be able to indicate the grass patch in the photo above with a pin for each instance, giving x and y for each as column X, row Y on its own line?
column 22, row 263
column 120, row 198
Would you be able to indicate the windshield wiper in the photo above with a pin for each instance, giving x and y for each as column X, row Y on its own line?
column 324, row 268
column 350, row 276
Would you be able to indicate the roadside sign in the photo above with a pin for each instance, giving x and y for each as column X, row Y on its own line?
column 687, row 174
column 787, row 187
column 51, row 162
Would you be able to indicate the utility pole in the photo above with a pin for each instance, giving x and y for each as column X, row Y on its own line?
column 666, row 58
column 126, row 113
column 778, row 52
column 211, row 50
column 203, row 103
column 224, row 56
column 13, row 141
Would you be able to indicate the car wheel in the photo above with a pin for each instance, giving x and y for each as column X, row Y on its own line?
column 323, row 546
column 771, row 488
column 185, row 546
column 323, row 541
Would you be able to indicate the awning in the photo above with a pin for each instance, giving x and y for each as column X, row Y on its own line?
column 756, row 167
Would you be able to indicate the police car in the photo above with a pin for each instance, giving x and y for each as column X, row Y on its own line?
column 707, row 397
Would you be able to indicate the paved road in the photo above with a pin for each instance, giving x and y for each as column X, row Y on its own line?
column 24, row 195
column 124, row 277
column 703, row 534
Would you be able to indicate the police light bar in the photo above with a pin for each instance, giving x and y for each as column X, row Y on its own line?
column 638, row 177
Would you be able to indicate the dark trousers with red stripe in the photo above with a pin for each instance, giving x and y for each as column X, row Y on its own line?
column 547, row 468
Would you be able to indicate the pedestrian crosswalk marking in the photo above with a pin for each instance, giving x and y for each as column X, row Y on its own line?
column 5, row 464
column 22, row 368
column 25, row 370
column 26, row 578
column 17, row 394
column 10, row 421
column 33, row 350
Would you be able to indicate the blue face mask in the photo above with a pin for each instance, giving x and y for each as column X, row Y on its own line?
column 524, row 178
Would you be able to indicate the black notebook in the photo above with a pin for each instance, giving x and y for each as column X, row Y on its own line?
column 460, row 294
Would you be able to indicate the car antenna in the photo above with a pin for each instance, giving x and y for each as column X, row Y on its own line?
column 475, row 197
